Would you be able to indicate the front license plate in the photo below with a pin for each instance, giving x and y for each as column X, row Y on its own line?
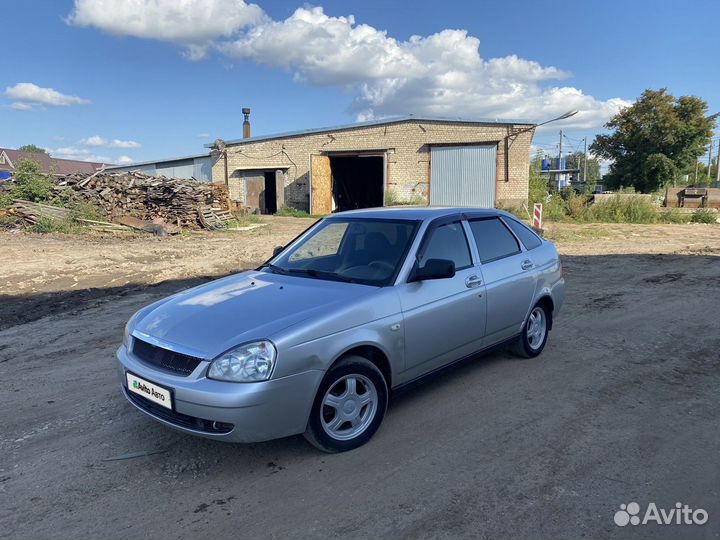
column 153, row 392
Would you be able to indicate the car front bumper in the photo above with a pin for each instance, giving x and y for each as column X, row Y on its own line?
column 233, row 412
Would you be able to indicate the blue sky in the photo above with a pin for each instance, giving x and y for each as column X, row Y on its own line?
column 116, row 79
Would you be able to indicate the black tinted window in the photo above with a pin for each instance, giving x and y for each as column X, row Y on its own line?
column 448, row 242
column 493, row 239
column 526, row 236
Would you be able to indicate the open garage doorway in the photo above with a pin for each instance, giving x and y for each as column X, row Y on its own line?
column 358, row 181
column 264, row 190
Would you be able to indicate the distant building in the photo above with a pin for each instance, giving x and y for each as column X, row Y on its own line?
column 9, row 160
column 198, row 167
column 409, row 159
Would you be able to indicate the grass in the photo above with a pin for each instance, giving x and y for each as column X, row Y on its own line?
column 704, row 215
column 85, row 210
column 562, row 234
column 286, row 211
column 49, row 225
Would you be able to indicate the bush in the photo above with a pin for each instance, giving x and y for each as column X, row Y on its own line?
column 674, row 215
column 85, row 210
column 554, row 208
column 623, row 210
column 6, row 197
column 704, row 215
column 30, row 183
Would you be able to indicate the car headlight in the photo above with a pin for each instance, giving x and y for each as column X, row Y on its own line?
column 127, row 337
column 247, row 363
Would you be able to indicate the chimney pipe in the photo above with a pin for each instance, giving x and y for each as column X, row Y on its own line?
column 246, row 123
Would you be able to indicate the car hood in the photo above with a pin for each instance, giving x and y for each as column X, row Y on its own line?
column 212, row 318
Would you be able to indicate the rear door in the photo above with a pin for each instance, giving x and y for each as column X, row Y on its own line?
column 444, row 319
column 510, row 278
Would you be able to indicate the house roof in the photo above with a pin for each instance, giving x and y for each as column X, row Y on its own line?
column 10, row 158
column 383, row 122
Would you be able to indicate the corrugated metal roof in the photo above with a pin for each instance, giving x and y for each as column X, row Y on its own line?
column 383, row 122
column 151, row 162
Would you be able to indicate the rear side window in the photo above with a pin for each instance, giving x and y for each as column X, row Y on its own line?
column 448, row 242
column 494, row 240
column 529, row 239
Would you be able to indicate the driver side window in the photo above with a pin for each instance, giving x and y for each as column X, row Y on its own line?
column 448, row 242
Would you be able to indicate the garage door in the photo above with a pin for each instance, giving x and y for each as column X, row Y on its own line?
column 463, row 175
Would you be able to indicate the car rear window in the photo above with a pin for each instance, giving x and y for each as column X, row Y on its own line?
column 494, row 240
column 529, row 239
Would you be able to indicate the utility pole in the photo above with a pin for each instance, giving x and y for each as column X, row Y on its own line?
column 585, row 162
column 709, row 161
column 717, row 171
column 559, row 166
column 697, row 165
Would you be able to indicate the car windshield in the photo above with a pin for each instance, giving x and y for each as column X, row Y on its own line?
column 357, row 250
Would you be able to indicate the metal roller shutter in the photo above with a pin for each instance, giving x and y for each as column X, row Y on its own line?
column 463, row 175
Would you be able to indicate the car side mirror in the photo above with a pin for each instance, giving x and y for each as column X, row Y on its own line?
column 277, row 250
column 434, row 269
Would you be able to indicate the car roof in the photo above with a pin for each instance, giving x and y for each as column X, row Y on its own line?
column 417, row 212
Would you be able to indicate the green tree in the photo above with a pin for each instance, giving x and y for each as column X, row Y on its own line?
column 657, row 124
column 32, row 149
column 30, row 183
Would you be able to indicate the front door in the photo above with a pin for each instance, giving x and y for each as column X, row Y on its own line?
column 444, row 319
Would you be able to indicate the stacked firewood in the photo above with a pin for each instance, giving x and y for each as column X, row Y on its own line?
column 143, row 196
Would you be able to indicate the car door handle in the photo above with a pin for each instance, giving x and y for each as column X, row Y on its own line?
column 473, row 281
column 527, row 264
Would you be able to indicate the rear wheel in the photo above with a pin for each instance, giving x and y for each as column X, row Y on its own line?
column 535, row 333
column 349, row 406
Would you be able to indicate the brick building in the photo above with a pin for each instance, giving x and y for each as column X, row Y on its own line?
column 401, row 160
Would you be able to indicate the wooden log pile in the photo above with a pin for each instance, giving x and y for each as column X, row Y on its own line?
column 145, row 197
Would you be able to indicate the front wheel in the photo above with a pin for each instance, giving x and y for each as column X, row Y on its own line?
column 535, row 333
column 349, row 406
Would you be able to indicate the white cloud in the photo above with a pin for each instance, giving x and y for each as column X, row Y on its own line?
column 98, row 141
column 124, row 160
column 20, row 106
column 79, row 154
column 203, row 135
column 193, row 23
column 26, row 95
column 95, row 140
column 442, row 74
column 117, row 143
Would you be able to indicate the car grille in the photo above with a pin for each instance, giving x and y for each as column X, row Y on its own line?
column 178, row 419
column 164, row 359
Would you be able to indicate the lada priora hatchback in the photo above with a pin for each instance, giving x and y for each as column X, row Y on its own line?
column 361, row 303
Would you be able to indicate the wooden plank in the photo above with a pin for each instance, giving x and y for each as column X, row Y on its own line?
column 321, row 184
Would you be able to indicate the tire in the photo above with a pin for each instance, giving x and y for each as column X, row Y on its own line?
column 535, row 333
column 341, row 419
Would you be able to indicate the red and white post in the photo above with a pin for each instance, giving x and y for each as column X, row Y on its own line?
column 537, row 216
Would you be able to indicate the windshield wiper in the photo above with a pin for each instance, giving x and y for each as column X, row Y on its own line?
column 275, row 269
column 321, row 274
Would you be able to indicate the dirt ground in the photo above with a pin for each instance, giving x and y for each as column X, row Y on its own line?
column 622, row 406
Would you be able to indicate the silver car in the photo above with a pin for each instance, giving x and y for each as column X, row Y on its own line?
column 361, row 303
